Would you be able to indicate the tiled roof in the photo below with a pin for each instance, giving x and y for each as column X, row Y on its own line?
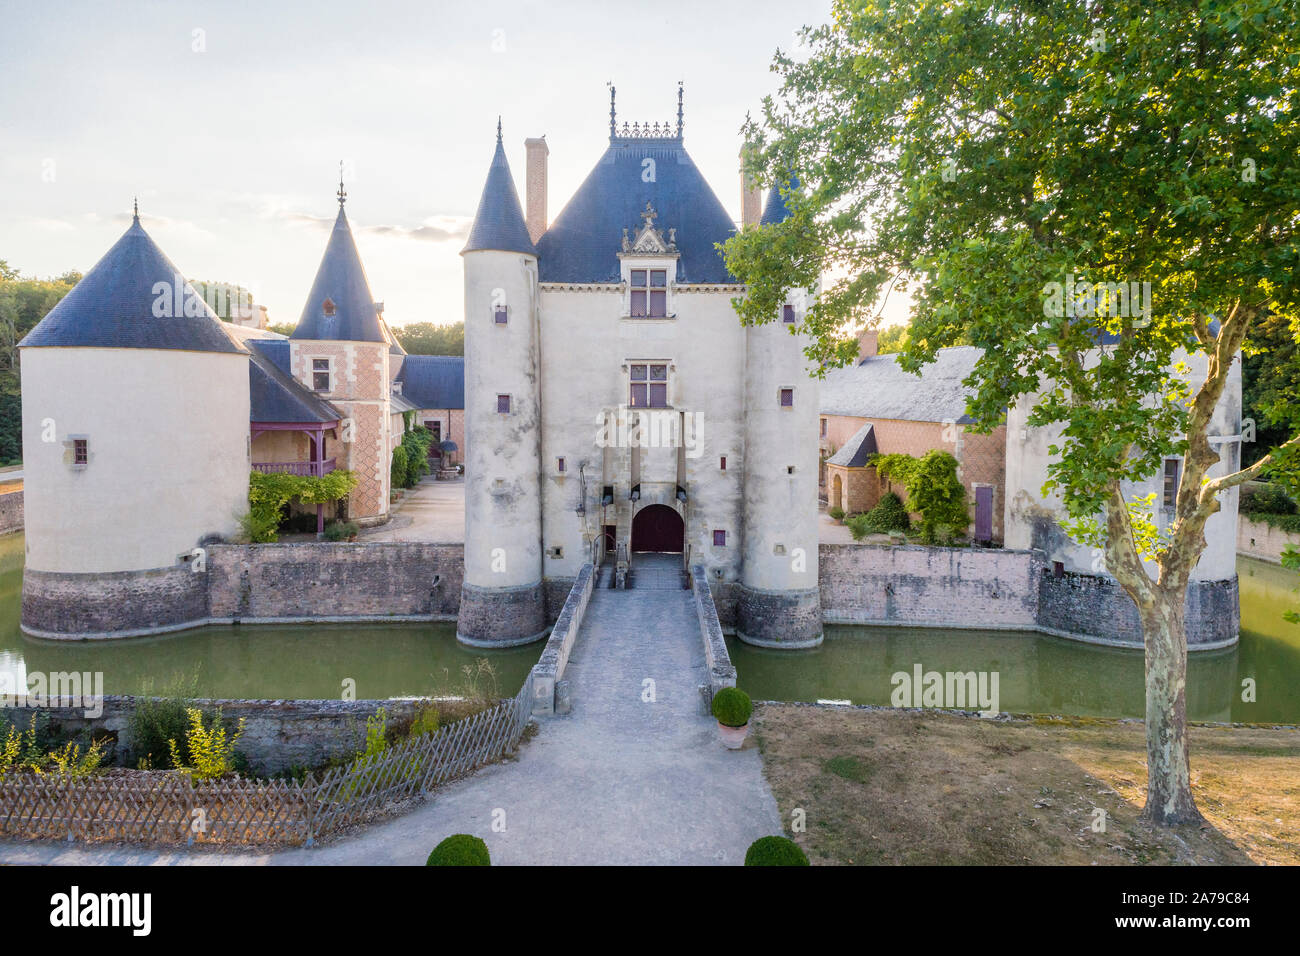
column 878, row 388
column 342, row 281
column 776, row 210
column 583, row 242
column 274, row 396
column 114, row 306
column 499, row 221
column 857, row 451
column 433, row 381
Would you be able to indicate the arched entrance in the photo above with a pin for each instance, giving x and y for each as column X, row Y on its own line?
column 658, row 528
column 837, row 492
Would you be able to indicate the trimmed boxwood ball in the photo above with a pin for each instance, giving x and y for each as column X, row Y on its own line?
column 775, row 851
column 732, row 707
column 460, row 849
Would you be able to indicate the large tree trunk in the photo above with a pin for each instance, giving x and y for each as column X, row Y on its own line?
column 1169, row 780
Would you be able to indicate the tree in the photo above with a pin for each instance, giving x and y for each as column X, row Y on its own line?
column 1270, row 384
column 426, row 338
column 282, row 328
column 986, row 151
column 23, row 303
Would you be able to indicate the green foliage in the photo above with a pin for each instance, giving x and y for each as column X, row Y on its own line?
column 225, row 299
column 460, row 849
column 30, row 750
column 23, row 303
column 282, row 328
column 732, row 707
column 933, row 492
column 397, row 470
column 836, row 512
column 888, row 516
column 426, row 338
column 210, row 749
column 775, row 851
column 1270, row 382
column 416, row 441
column 341, row 530
column 1291, row 559
column 892, row 338
column 1267, row 499
column 269, row 494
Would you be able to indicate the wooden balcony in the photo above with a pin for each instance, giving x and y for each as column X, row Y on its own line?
column 306, row 469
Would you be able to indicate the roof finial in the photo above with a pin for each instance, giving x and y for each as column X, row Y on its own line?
column 342, row 193
column 498, row 128
column 679, row 109
column 135, row 203
column 610, row 84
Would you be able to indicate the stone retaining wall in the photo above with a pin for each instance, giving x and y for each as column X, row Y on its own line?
column 1256, row 539
column 11, row 511
column 549, row 669
column 722, row 673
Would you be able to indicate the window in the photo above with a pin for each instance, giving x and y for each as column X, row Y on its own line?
column 787, row 398
column 648, row 386
column 320, row 373
column 1173, row 468
column 719, row 539
column 787, row 314
column 500, row 315
column 559, row 465
column 823, row 428
column 503, row 404
column 80, row 451
column 649, row 293
column 722, row 463
column 327, row 306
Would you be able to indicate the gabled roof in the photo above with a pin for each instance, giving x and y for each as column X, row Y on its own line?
column 878, row 388
column 114, row 306
column 499, row 221
column 583, row 242
column 274, row 396
column 341, row 280
column 857, row 451
column 433, row 381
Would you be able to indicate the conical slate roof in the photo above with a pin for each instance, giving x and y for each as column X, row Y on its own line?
column 583, row 242
column 115, row 306
column 776, row 210
column 342, row 281
column 499, row 222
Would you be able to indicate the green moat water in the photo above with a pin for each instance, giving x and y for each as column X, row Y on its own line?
column 1037, row 674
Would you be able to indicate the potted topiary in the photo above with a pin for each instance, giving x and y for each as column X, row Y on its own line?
column 775, row 851
column 460, row 849
column 732, row 707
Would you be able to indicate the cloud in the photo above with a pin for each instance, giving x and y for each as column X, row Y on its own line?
column 434, row 229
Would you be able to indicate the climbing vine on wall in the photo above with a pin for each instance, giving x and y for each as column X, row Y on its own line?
column 933, row 491
column 268, row 494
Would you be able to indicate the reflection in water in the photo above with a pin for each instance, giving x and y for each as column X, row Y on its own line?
column 1038, row 674
column 302, row 661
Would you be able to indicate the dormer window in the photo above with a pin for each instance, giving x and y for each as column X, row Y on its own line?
column 649, row 293
column 327, row 306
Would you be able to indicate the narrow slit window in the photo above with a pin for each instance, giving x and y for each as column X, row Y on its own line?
column 823, row 428
column 503, row 404
column 1173, row 474
column 559, row 465
column 722, row 463
column 719, row 539
column 787, row 397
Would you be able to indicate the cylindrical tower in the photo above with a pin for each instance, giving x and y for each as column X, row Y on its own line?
column 502, row 599
column 135, row 449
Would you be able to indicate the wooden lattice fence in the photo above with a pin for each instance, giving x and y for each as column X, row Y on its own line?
column 165, row 807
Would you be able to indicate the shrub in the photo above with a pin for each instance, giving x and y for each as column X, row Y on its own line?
column 154, row 722
column 211, row 750
column 775, row 851
column 732, row 707
column 460, row 849
column 341, row 530
column 837, row 513
column 397, row 471
column 887, row 516
column 268, row 495
column 1267, row 499
column 933, row 491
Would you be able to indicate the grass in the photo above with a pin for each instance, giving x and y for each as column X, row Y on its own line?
column 902, row 787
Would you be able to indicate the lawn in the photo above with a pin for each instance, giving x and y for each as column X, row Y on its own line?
column 884, row 786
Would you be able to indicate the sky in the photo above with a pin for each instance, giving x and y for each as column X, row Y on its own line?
column 228, row 120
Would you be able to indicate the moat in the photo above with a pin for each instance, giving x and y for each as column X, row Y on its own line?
column 1038, row 674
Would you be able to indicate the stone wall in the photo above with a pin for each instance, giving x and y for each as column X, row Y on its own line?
column 1256, row 539
column 319, row 581
column 278, row 734
column 933, row 587
column 11, row 512
column 116, row 604
column 1085, row 605
column 549, row 669
column 722, row 673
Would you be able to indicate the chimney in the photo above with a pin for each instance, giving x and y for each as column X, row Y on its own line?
column 751, row 197
column 535, row 184
column 867, row 344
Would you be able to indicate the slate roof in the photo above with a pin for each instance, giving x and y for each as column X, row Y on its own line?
column 857, row 451
column 400, row 403
column 275, row 396
column 499, row 221
column 113, row 306
column 776, row 210
column 342, row 280
column 878, row 388
column 433, row 381
column 583, row 242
